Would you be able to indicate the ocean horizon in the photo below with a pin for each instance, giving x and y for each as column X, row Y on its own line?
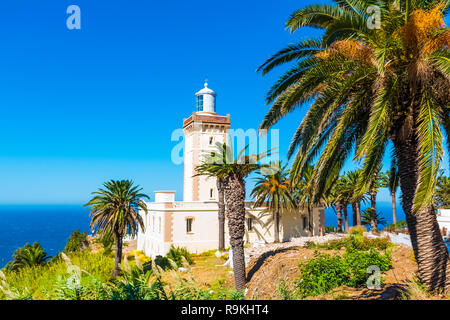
column 50, row 225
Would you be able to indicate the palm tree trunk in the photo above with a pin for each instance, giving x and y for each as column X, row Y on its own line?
column 354, row 214
column 358, row 213
column 394, row 209
column 373, row 211
column 118, row 258
column 235, row 210
column 429, row 249
column 346, row 217
column 310, row 222
column 276, row 225
column 221, row 214
column 339, row 216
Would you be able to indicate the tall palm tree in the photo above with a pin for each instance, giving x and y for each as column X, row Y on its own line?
column 393, row 184
column 206, row 169
column 371, row 83
column 305, row 197
column 115, row 211
column 273, row 187
column 352, row 177
column 234, row 171
column 333, row 199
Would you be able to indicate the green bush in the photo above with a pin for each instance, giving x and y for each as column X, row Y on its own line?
column 28, row 256
column 176, row 254
column 400, row 225
column 76, row 242
column 358, row 263
column 324, row 272
column 354, row 241
column 321, row 274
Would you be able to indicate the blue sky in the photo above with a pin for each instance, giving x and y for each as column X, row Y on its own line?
column 79, row 107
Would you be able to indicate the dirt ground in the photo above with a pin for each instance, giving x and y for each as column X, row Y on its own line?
column 266, row 273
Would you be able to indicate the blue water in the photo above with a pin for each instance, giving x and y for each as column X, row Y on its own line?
column 385, row 208
column 49, row 225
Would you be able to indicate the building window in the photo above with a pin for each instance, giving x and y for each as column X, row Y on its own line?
column 159, row 224
column 304, row 223
column 249, row 224
column 211, row 193
column 200, row 103
column 211, row 141
column 189, row 225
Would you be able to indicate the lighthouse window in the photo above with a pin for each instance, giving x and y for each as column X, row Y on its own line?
column 211, row 140
column 200, row 103
column 249, row 224
column 211, row 193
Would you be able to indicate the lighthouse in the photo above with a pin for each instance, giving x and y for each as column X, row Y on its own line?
column 202, row 131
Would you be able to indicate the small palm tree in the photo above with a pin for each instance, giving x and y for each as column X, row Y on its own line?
column 28, row 256
column 379, row 180
column 393, row 184
column 234, row 171
column 115, row 212
column 367, row 218
column 273, row 187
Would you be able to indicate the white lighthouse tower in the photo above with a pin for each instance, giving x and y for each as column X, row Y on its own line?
column 202, row 130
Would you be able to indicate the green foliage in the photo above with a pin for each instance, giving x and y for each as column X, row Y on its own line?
column 354, row 241
column 28, row 256
column 358, row 262
column 329, row 229
column 321, row 274
column 366, row 217
column 396, row 226
column 76, row 242
column 442, row 197
column 177, row 254
column 325, row 272
column 107, row 243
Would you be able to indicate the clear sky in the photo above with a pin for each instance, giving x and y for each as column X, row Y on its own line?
column 79, row 107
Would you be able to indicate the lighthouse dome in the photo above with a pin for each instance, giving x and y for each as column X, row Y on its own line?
column 206, row 100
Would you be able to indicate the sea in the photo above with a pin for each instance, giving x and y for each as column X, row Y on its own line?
column 51, row 225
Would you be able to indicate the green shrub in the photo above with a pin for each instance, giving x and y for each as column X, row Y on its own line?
column 321, row 274
column 358, row 263
column 28, row 256
column 76, row 242
column 400, row 225
column 324, row 272
column 354, row 241
column 176, row 253
column 329, row 229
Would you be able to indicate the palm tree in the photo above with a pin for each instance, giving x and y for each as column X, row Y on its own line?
column 234, row 171
column 367, row 218
column 304, row 195
column 333, row 199
column 443, row 192
column 380, row 180
column 370, row 84
column 206, row 169
column 28, row 256
column 115, row 212
column 352, row 177
column 273, row 187
column 393, row 184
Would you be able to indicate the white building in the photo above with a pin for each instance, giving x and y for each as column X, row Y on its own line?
column 193, row 222
column 443, row 219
